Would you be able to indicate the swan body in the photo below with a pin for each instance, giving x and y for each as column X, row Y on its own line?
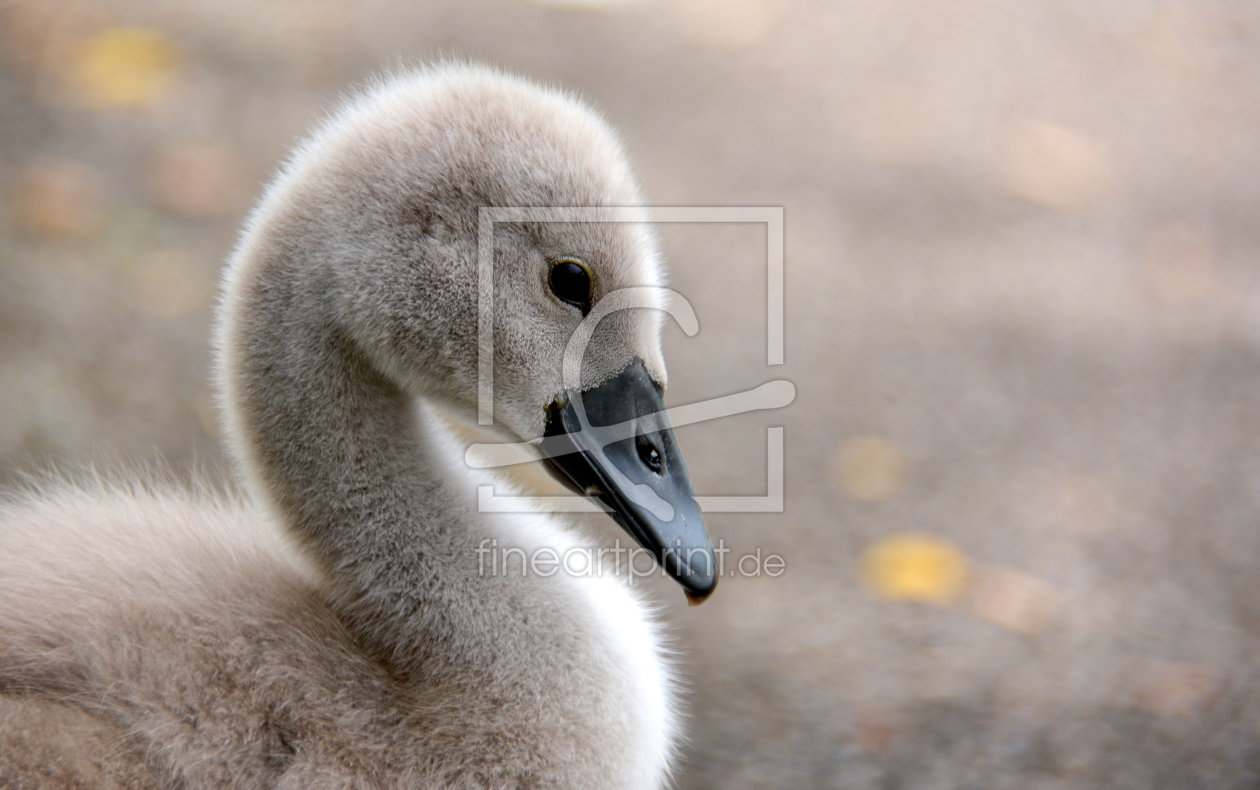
column 330, row 626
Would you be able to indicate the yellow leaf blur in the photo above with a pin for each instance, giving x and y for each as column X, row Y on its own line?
column 913, row 567
column 121, row 66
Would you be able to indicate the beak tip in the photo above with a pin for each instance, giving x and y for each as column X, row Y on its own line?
column 697, row 598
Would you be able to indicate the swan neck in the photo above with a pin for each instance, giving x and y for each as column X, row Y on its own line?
column 355, row 472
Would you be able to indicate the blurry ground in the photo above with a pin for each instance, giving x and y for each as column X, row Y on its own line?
column 1022, row 526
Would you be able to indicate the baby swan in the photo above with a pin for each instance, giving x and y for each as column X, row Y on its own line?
column 339, row 627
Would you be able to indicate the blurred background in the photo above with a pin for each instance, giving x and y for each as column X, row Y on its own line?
column 1022, row 515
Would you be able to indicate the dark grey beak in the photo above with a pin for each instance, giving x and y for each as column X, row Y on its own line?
column 613, row 443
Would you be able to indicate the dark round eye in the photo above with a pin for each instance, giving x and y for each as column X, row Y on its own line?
column 571, row 282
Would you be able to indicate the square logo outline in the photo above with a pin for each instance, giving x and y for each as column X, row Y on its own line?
column 771, row 216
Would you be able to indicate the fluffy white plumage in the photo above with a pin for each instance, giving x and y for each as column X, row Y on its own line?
column 329, row 629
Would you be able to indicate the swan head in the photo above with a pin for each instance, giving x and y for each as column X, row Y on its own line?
column 380, row 215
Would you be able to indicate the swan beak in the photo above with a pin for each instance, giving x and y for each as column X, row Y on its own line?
column 614, row 443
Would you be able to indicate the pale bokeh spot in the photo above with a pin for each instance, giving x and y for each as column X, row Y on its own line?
column 726, row 24
column 198, row 180
column 915, row 567
column 35, row 34
column 1180, row 264
column 870, row 468
column 58, row 198
column 123, row 66
column 1054, row 166
column 1015, row 600
column 1174, row 688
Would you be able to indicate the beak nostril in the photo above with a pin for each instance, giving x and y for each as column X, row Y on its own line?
column 650, row 455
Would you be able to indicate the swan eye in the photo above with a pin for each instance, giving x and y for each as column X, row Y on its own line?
column 571, row 282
